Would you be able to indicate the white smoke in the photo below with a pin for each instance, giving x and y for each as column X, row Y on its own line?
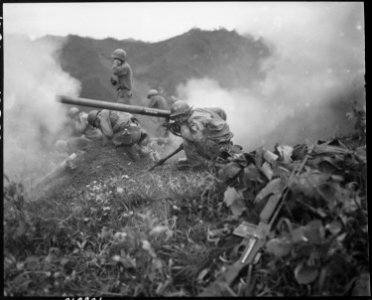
column 317, row 60
column 32, row 79
column 245, row 113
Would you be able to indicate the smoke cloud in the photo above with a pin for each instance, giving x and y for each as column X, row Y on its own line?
column 316, row 69
column 32, row 117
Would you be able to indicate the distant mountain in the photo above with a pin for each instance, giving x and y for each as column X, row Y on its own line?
column 229, row 58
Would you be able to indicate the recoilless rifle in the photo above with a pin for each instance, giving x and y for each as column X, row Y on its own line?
column 141, row 110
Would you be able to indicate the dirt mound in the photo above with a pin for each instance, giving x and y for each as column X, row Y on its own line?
column 96, row 163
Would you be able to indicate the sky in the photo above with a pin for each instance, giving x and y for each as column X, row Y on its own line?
column 156, row 21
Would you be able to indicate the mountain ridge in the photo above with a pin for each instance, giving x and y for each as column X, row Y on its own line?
column 231, row 59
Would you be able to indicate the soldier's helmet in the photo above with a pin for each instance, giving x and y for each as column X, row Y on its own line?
column 179, row 110
column 73, row 111
column 152, row 92
column 119, row 54
column 220, row 112
column 92, row 117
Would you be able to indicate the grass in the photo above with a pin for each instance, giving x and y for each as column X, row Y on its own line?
column 155, row 234
column 90, row 242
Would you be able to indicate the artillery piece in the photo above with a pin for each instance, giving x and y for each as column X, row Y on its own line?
column 141, row 110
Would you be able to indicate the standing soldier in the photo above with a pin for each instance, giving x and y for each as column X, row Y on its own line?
column 205, row 133
column 122, row 129
column 122, row 77
column 159, row 102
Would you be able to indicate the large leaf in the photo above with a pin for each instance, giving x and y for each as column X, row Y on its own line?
column 285, row 153
column 269, row 156
column 334, row 227
column 305, row 274
column 251, row 173
column 280, row 247
column 298, row 235
column 273, row 187
column 234, row 200
column 314, row 232
column 267, row 170
column 308, row 182
column 237, row 207
column 231, row 195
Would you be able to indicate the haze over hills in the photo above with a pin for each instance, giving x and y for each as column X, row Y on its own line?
column 267, row 97
column 225, row 56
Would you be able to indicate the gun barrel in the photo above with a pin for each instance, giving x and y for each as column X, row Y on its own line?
column 142, row 110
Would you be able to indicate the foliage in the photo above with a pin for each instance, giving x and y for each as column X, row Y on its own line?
column 169, row 233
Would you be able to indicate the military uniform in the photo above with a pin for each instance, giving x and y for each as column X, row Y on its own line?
column 123, row 129
column 159, row 102
column 88, row 130
column 122, row 79
column 206, row 136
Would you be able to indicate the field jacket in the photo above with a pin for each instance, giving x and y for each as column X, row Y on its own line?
column 120, row 127
column 205, row 133
column 158, row 102
column 124, row 75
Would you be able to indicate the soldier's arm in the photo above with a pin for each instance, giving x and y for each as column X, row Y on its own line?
column 114, row 80
column 145, row 138
column 163, row 104
column 105, row 123
column 153, row 103
column 121, row 70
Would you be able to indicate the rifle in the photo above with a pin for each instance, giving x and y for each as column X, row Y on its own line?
column 254, row 238
column 163, row 160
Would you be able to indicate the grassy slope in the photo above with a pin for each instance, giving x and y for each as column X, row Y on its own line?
column 64, row 243
column 111, row 228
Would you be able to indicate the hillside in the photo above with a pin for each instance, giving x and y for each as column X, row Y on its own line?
column 111, row 228
column 232, row 60
column 229, row 58
column 101, row 225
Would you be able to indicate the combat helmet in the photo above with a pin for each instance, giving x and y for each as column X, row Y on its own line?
column 92, row 116
column 73, row 111
column 180, row 110
column 152, row 92
column 119, row 54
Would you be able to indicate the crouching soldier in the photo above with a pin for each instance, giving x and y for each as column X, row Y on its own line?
column 205, row 133
column 77, row 133
column 78, row 125
column 123, row 130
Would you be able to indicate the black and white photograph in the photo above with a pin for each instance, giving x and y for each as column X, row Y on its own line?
column 184, row 149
